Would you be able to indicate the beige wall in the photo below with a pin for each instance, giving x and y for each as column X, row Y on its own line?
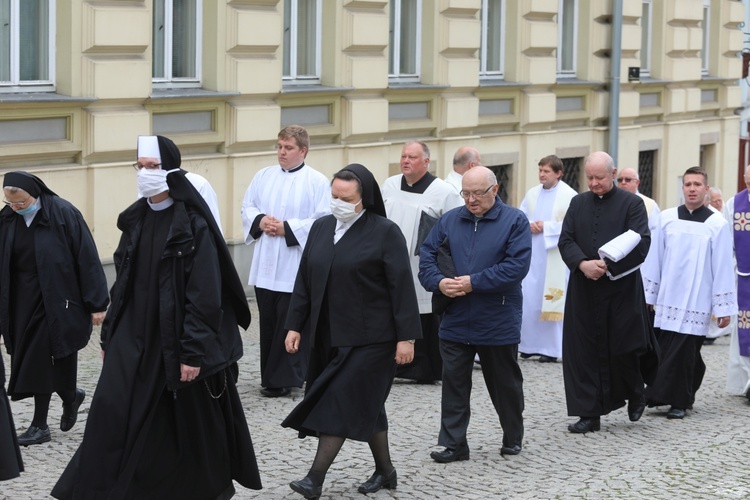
column 106, row 97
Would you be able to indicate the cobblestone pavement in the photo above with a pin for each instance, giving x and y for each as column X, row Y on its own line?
column 704, row 456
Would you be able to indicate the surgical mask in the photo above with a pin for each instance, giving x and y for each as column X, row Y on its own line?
column 30, row 209
column 344, row 211
column 152, row 181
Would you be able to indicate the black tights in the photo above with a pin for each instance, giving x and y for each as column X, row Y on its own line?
column 41, row 406
column 329, row 446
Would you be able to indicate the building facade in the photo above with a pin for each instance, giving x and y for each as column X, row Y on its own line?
column 517, row 79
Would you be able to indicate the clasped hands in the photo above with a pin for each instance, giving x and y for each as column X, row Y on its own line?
column 455, row 287
column 593, row 269
column 272, row 226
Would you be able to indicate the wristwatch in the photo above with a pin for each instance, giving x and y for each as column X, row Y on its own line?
column 411, row 341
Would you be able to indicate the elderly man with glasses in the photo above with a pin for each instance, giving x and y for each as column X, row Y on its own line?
column 628, row 179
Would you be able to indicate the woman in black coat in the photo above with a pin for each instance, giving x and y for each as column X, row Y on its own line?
column 354, row 288
column 52, row 290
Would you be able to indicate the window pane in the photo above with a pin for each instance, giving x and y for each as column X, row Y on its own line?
column 567, row 48
column 392, row 40
column 306, row 37
column 183, row 38
column 34, row 40
column 645, row 37
column 157, row 65
column 704, row 48
column 4, row 40
column 408, row 34
column 287, row 43
column 494, row 35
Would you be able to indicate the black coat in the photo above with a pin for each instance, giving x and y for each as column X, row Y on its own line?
column 70, row 273
column 197, row 324
column 370, row 293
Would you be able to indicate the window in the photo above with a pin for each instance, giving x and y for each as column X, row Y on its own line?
column 302, row 29
column 177, row 43
column 567, row 41
column 503, row 175
column 646, row 29
column 27, row 41
column 404, row 40
column 572, row 172
column 493, row 45
column 706, row 32
column 646, row 171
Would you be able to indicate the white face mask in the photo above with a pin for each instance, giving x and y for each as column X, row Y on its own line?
column 152, row 181
column 342, row 210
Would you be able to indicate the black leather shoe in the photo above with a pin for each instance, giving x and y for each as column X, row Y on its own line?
column 524, row 355
column 585, row 425
column 307, row 488
column 448, row 455
column 276, row 393
column 635, row 409
column 34, row 435
column 510, row 450
column 70, row 411
column 547, row 359
column 378, row 481
column 676, row 413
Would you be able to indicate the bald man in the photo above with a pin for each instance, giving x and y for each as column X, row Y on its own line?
column 627, row 179
column 465, row 158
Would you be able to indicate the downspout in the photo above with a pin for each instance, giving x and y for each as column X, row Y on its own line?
column 615, row 60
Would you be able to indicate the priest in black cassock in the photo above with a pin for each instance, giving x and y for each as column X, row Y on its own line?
column 166, row 419
column 607, row 340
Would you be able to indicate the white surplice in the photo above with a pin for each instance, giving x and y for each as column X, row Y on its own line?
column 298, row 198
column 405, row 209
column 550, row 206
column 692, row 275
column 455, row 179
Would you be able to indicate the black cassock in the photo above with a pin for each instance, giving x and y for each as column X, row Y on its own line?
column 608, row 342
column 143, row 440
column 11, row 464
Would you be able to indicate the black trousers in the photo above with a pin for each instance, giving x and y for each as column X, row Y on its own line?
column 278, row 368
column 504, row 383
column 681, row 370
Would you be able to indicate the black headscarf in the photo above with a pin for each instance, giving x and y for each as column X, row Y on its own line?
column 28, row 182
column 169, row 152
column 371, row 197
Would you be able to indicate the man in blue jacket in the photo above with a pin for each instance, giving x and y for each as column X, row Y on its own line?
column 490, row 246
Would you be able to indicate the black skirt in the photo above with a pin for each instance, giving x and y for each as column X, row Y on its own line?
column 11, row 464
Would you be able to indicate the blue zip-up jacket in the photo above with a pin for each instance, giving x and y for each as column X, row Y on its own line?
column 495, row 250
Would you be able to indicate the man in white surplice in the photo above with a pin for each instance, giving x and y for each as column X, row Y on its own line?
column 627, row 179
column 465, row 158
column 545, row 286
column 691, row 278
column 278, row 210
column 415, row 199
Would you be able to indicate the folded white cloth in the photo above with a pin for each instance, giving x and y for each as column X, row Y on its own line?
column 618, row 248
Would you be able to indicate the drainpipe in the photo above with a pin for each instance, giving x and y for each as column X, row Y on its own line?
column 615, row 59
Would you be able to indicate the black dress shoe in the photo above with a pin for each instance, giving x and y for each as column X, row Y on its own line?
column 448, row 455
column 70, row 411
column 585, row 424
column 34, row 435
column 307, row 488
column 510, row 450
column 676, row 413
column 276, row 393
column 524, row 355
column 635, row 409
column 547, row 359
column 378, row 481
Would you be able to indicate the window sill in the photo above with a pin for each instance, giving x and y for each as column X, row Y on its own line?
column 307, row 87
column 576, row 81
column 415, row 86
column 499, row 82
column 41, row 97
column 189, row 93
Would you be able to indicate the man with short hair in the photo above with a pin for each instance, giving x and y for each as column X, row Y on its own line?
column 490, row 246
column 545, row 285
column 690, row 280
column 606, row 327
column 278, row 210
column 414, row 200
column 465, row 158
column 738, row 367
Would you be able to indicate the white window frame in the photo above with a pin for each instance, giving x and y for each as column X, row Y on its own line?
column 293, row 77
column 15, row 84
column 484, row 73
column 706, row 45
column 567, row 73
column 181, row 82
column 647, row 33
column 395, row 53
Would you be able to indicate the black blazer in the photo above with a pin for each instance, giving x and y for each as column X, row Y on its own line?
column 366, row 281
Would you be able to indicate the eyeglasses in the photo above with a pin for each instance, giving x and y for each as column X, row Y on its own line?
column 625, row 180
column 137, row 166
column 476, row 194
column 16, row 203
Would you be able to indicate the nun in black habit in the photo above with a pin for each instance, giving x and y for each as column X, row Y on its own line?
column 355, row 291
column 11, row 464
column 52, row 291
column 166, row 419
